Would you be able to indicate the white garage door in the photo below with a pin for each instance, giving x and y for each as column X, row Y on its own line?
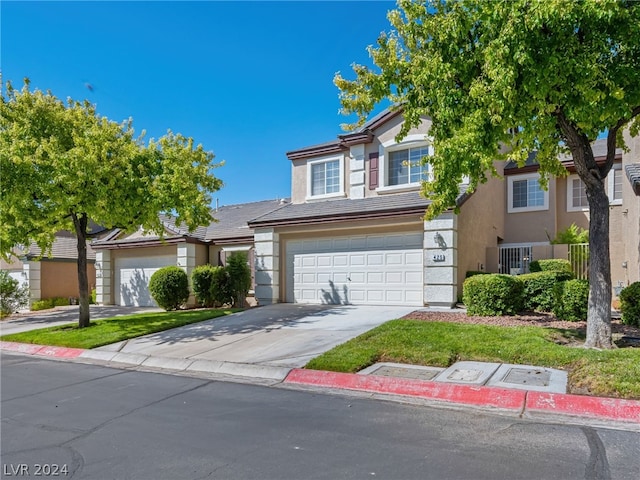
column 132, row 279
column 360, row 270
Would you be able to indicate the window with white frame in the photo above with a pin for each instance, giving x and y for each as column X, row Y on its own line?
column 576, row 195
column 401, row 164
column 525, row 194
column 405, row 166
column 325, row 178
column 614, row 184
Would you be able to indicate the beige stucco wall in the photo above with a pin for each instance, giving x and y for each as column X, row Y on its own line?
column 527, row 227
column 629, row 220
column 298, row 181
column 480, row 224
column 202, row 254
column 60, row 279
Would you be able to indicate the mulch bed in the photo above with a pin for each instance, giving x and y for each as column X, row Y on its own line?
column 529, row 319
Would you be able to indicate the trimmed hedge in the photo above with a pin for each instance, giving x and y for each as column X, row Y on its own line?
column 571, row 300
column 169, row 287
column 537, row 292
column 47, row 303
column 239, row 277
column 630, row 304
column 551, row 265
column 202, row 279
column 492, row 294
column 472, row 273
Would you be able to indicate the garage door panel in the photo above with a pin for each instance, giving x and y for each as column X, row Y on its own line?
column 132, row 276
column 358, row 269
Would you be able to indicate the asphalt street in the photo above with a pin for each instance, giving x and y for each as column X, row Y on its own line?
column 94, row 422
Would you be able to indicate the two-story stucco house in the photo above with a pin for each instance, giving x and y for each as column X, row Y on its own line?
column 354, row 230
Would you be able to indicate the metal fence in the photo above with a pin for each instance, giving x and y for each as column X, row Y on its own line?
column 515, row 260
column 579, row 259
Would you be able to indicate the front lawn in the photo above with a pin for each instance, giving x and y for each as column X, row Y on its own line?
column 613, row 373
column 115, row 329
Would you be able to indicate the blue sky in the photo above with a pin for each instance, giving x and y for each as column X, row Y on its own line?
column 248, row 80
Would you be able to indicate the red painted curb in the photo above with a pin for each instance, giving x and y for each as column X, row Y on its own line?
column 596, row 407
column 44, row 350
column 449, row 392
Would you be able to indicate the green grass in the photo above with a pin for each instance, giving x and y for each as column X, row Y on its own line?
column 115, row 329
column 614, row 373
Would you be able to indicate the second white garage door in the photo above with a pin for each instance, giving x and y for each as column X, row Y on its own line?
column 132, row 279
column 359, row 270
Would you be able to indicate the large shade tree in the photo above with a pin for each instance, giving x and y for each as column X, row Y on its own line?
column 63, row 166
column 500, row 79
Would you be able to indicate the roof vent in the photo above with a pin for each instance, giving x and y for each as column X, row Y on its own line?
column 283, row 201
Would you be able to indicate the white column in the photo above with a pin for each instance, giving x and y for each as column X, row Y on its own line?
column 267, row 267
column 104, row 295
column 186, row 259
column 356, row 169
column 441, row 261
column 31, row 272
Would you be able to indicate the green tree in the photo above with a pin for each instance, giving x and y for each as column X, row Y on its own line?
column 63, row 165
column 500, row 79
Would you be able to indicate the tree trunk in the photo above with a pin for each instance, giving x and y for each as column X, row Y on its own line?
column 80, row 224
column 599, row 313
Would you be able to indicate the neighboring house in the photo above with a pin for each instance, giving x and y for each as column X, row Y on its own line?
column 354, row 232
column 52, row 274
column 125, row 262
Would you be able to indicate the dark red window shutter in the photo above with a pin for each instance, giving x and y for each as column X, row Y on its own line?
column 373, row 170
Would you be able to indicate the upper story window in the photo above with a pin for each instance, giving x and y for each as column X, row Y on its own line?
column 525, row 194
column 398, row 166
column 325, row 178
column 614, row 184
column 405, row 166
column 576, row 195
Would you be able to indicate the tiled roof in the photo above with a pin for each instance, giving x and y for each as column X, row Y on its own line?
column 381, row 206
column 633, row 174
column 231, row 225
column 64, row 247
column 599, row 148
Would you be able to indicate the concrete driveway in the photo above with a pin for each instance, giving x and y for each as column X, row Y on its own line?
column 61, row 315
column 284, row 335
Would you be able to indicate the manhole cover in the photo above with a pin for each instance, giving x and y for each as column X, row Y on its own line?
column 415, row 373
column 465, row 375
column 522, row 376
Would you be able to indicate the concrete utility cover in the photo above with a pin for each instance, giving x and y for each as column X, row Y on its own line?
column 399, row 370
column 522, row 376
column 473, row 373
column 528, row 377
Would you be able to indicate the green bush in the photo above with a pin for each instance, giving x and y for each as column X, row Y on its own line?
column 41, row 305
column 551, row 265
column 221, row 287
column 492, row 295
column 169, row 287
column 571, row 299
column 472, row 273
column 571, row 235
column 13, row 296
column 46, row 303
column 537, row 289
column 207, row 282
column 239, row 277
column 630, row 304
column 94, row 297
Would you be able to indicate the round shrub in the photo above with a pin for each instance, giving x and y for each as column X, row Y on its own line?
column 239, row 277
column 571, row 300
column 630, row 304
column 493, row 294
column 537, row 293
column 169, row 287
column 201, row 280
column 551, row 265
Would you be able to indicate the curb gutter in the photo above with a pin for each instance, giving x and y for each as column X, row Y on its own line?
column 524, row 403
